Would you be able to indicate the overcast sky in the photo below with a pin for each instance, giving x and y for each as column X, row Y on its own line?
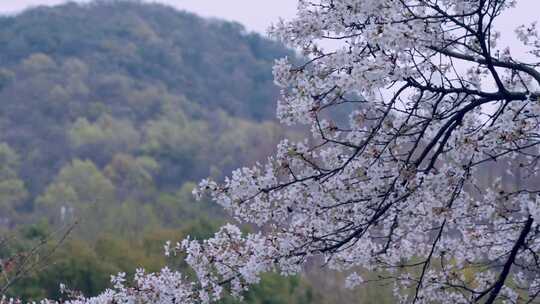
column 258, row 15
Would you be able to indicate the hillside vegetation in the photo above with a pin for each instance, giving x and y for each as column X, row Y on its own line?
column 110, row 111
column 118, row 101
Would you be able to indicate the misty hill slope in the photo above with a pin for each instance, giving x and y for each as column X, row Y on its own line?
column 109, row 112
column 115, row 78
column 211, row 62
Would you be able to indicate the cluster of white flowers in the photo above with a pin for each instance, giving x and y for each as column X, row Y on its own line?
column 395, row 188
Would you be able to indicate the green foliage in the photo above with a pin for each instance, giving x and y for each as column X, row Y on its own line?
column 275, row 289
column 82, row 192
column 9, row 162
column 94, row 80
column 76, row 264
column 58, row 201
column 85, row 267
column 132, row 176
column 102, row 139
column 90, row 185
column 37, row 63
column 12, row 195
column 13, row 192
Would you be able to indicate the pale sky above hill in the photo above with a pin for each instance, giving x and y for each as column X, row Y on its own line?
column 258, row 15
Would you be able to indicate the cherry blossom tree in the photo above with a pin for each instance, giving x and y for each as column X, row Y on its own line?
column 433, row 100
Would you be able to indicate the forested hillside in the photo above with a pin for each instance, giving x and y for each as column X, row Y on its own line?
column 109, row 112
